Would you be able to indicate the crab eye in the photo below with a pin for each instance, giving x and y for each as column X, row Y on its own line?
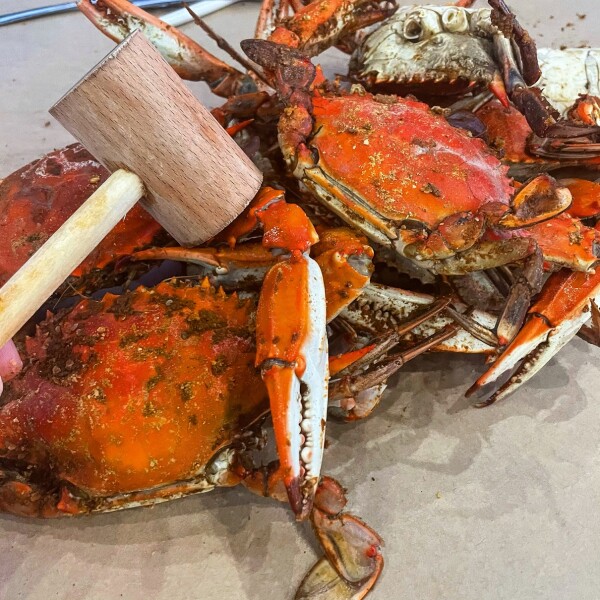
column 455, row 20
column 412, row 29
column 422, row 24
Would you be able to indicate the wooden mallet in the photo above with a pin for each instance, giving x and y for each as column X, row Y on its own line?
column 133, row 113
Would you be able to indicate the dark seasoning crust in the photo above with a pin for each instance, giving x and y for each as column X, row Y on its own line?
column 67, row 346
column 58, row 357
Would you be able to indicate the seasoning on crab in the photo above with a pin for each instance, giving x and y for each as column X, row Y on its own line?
column 407, row 179
column 141, row 398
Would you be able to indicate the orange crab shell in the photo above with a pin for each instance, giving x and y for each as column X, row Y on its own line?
column 406, row 160
column 565, row 240
column 507, row 130
column 586, row 198
column 38, row 198
column 135, row 391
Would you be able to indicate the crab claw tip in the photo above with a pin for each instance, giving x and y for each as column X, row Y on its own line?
column 300, row 503
column 485, row 388
column 260, row 51
column 498, row 88
column 484, row 395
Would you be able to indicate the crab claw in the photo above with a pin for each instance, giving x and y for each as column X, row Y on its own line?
column 292, row 355
column 523, row 71
column 561, row 310
column 352, row 562
column 118, row 18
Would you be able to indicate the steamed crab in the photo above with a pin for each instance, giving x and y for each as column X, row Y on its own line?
column 103, row 418
column 465, row 217
column 300, row 357
column 391, row 192
column 121, row 427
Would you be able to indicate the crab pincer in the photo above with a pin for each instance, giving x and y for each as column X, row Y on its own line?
column 292, row 356
column 564, row 305
column 291, row 341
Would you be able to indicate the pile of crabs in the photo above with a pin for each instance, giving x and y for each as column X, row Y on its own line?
column 407, row 208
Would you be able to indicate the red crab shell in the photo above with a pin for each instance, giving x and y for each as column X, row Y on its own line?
column 134, row 391
column 508, row 132
column 407, row 161
column 38, row 198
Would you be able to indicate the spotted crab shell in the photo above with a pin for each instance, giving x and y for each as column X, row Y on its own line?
column 134, row 391
column 398, row 160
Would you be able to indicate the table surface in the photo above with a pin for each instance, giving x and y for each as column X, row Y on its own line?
column 500, row 503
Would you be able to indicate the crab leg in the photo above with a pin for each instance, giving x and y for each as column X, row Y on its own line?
column 527, row 284
column 416, row 317
column 226, row 46
column 264, row 24
column 349, row 385
column 519, row 75
column 561, row 310
column 352, row 560
column 117, row 18
column 359, row 376
column 320, row 24
column 233, row 269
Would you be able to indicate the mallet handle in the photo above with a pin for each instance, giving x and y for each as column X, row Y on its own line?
column 43, row 273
